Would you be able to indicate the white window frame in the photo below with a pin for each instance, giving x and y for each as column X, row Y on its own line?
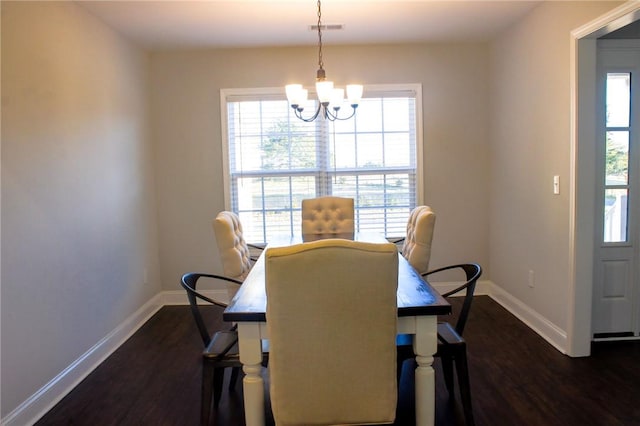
column 375, row 91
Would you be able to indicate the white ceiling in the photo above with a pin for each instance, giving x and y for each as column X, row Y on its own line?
column 251, row 23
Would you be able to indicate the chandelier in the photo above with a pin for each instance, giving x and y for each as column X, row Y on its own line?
column 330, row 99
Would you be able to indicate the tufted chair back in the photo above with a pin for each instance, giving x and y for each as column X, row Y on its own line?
column 332, row 321
column 417, row 243
column 234, row 252
column 327, row 215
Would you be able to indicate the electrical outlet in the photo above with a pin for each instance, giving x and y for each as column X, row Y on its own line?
column 145, row 276
column 531, row 279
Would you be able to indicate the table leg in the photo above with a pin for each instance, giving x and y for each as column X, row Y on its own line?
column 250, row 348
column 425, row 344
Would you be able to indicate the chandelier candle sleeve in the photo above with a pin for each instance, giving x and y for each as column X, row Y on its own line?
column 296, row 94
column 337, row 98
column 354, row 94
column 324, row 90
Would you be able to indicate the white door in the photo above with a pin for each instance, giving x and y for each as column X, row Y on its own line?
column 616, row 297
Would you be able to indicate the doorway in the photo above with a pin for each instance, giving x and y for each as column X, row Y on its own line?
column 616, row 287
column 583, row 177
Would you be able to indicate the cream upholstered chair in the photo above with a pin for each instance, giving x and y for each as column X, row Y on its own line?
column 331, row 318
column 220, row 347
column 327, row 215
column 417, row 243
column 234, row 251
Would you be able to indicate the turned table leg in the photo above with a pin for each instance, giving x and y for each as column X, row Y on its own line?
column 253, row 385
column 425, row 345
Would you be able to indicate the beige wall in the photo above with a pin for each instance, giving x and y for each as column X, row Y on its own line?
column 78, row 205
column 185, row 110
column 530, row 143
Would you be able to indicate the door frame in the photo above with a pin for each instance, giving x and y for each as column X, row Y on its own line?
column 582, row 171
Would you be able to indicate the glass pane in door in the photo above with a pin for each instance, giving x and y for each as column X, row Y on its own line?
column 617, row 158
column 618, row 99
column 615, row 215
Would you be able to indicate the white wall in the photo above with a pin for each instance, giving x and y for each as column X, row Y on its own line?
column 78, row 203
column 185, row 111
column 530, row 143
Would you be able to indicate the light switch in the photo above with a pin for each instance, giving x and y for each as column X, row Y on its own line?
column 556, row 184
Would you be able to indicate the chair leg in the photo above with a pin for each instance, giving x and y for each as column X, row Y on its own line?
column 235, row 372
column 462, row 371
column 218, row 377
column 400, row 363
column 206, row 392
column 447, row 369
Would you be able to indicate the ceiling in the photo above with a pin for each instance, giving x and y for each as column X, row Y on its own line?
column 253, row 23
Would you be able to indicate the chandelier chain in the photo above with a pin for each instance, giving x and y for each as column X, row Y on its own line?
column 320, row 62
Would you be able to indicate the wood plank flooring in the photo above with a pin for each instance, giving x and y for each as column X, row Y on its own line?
column 516, row 378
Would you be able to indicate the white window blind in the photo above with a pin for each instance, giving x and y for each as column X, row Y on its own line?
column 273, row 160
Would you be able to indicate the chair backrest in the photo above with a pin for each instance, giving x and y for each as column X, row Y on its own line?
column 189, row 282
column 472, row 272
column 233, row 249
column 417, row 243
column 327, row 215
column 331, row 317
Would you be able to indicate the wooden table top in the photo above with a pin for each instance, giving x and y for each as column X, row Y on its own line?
column 415, row 295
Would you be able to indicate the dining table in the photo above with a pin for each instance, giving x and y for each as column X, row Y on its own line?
column 419, row 305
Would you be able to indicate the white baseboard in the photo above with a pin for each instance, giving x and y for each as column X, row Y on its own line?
column 175, row 297
column 38, row 404
column 179, row 297
column 542, row 326
column 538, row 323
column 482, row 287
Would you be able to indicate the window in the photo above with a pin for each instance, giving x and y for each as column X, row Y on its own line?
column 273, row 160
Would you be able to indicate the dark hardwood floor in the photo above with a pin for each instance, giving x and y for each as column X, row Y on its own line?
column 516, row 378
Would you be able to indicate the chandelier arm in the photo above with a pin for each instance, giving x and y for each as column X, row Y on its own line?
column 334, row 116
column 298, row 113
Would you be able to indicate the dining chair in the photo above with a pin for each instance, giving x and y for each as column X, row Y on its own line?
column 417, row 242
column 236, row 260
column 235, row 253
column 452, row 348
column 220, row 348
column 331, row 319
column 327, row 215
